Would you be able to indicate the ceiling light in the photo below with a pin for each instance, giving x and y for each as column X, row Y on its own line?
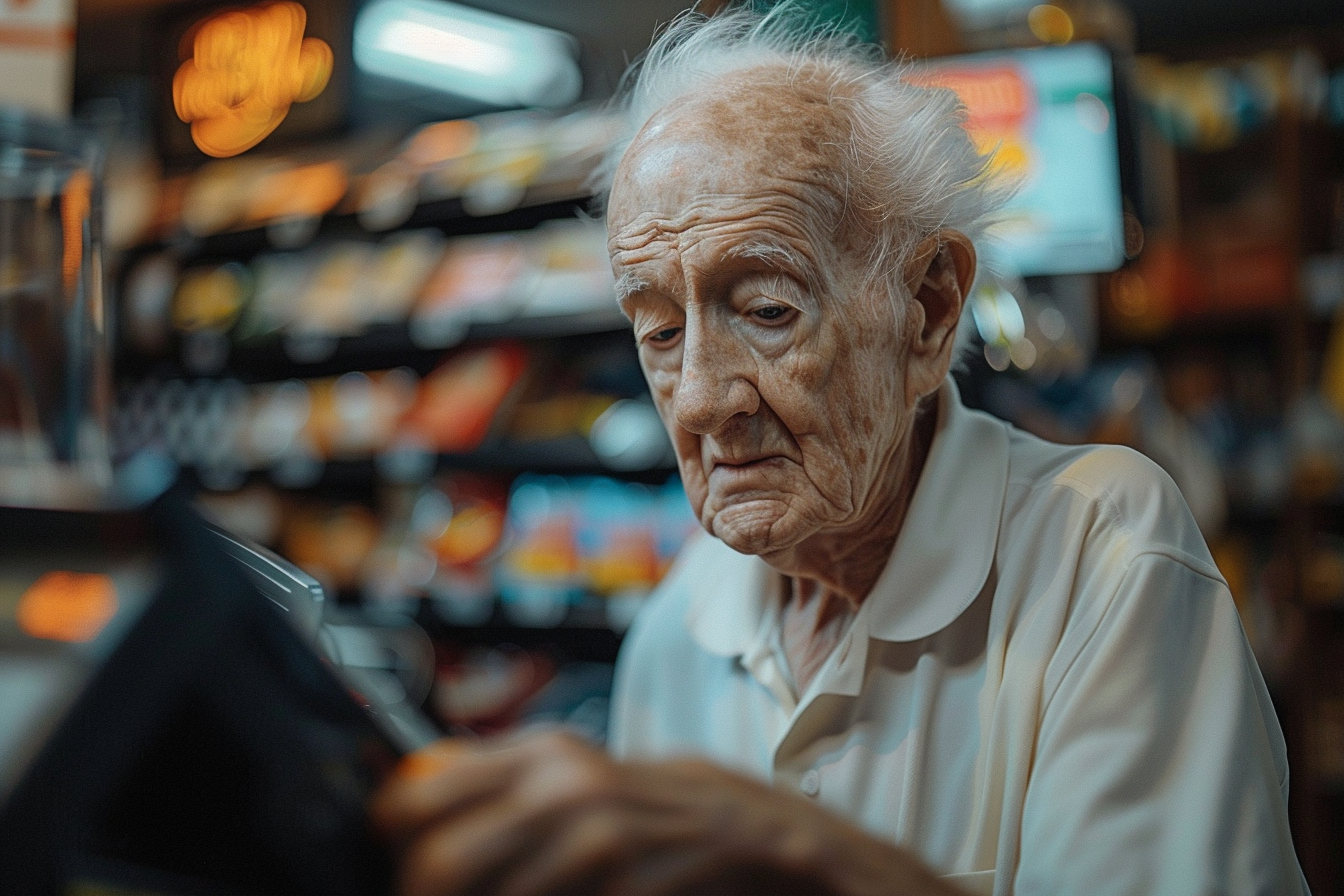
column 468, row 52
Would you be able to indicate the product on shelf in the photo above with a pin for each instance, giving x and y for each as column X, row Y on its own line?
column 491, row 164
column 397, row 274
column 147, row 311
column 460, row 519
column 473, row 281
column 1323, row 573
column 1315, row 440
column 331, row 542
column 484, row 690
column 210, row 297
column 216, row 197
column 459, row 400
column 303, row 191
column 1332, row 365
column 1322, row 280
column 1212, row 105
column 1232, row 261
column 281, row 280
column 569, row 271
column 571, row 538
column 473, row 401
column 1325, row 745
column 357, row 415
column 437, row 288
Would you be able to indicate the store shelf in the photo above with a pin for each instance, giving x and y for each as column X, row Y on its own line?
column 565, row 456
column 591, row 643
column 584, row 634
column 1227, row 329
column 449, row 215
column 285, row 356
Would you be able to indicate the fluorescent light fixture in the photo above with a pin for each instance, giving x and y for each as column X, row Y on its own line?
column 489, row 58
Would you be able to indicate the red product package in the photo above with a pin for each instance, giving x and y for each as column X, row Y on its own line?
column 460, row 398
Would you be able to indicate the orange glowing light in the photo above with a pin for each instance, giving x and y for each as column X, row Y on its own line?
column 247, row 67
column 1050, row 24
column 67, row 606
column 75, row 205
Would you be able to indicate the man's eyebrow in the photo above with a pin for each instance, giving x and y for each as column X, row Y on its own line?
column 787, row 259
column 628, row 284
column 770, row 252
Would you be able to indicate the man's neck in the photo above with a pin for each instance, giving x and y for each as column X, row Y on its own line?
column 846, row 563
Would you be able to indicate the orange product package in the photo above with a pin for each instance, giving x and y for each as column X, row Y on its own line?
column 459, row 400
column 475, row 278
column 299, row 191
column 474, row 528
column 331, row 542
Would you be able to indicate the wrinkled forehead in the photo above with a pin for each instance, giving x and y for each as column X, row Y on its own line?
column 752, row 132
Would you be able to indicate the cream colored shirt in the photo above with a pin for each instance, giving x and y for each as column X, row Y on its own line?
column 1047, row 691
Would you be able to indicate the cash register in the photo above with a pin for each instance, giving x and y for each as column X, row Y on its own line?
column 167, row 723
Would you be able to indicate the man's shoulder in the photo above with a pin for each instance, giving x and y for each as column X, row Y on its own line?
column 1109, row 491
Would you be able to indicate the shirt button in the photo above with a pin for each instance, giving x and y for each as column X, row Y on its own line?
column 810, row 783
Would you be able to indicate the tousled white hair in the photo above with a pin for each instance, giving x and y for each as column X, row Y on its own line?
column 911, row 168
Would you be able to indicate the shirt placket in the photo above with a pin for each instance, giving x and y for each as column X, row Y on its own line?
column 795, row 764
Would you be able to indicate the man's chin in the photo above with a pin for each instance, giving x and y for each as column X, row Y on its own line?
column 755, row 527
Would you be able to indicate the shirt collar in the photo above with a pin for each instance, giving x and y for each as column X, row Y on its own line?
column 941, row 559
column 945, row 550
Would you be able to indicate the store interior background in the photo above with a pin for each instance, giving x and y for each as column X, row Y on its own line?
column 383, row 341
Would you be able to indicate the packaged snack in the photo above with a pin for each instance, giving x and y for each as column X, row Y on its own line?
column 459, row 401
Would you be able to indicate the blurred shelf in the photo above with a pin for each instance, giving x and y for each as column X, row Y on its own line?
column 567, row 455
column 583, row 634
column 1243, row 328
column 284, row 356
column 563, row 456
column 1331, row 612
column 566, row 642
column 1262, row 519
column 448, row 215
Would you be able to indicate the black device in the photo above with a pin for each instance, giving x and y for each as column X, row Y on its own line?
column 163, row 729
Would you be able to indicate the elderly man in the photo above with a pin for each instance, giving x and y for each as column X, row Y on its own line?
column 917, row 651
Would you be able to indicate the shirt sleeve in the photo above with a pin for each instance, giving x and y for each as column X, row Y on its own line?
column 1160, row 766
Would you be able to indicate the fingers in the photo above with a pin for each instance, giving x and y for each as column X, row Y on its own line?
column 548, row 814
column 471, row 816
column 442, row 779
column 467, row 852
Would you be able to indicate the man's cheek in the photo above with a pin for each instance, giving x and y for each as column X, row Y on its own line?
column 663, row 392
column 697, row 494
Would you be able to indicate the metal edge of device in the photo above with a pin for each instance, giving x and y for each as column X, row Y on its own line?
column 302, row 598
column 285, row 585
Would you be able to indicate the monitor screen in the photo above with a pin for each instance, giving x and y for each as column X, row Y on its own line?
column 1048, row 116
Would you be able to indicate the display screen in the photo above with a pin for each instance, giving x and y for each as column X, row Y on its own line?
column 1048, row 116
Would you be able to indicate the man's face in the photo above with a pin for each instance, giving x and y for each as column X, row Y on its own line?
column 779, row 377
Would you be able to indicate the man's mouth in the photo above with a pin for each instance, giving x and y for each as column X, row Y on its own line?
column 740, row 465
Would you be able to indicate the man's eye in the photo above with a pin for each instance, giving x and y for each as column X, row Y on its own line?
column 666, row 335
column 770, row 313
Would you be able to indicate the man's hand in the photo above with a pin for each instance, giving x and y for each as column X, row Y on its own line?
column 549, row 813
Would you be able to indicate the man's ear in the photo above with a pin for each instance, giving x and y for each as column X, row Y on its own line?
column 938, row 276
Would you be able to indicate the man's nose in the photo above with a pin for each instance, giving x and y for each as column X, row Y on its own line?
column 716, row 381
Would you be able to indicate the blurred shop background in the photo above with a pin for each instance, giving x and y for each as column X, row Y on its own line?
column 360, row 304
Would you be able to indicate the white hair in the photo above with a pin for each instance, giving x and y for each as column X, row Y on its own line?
column 911, row 168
